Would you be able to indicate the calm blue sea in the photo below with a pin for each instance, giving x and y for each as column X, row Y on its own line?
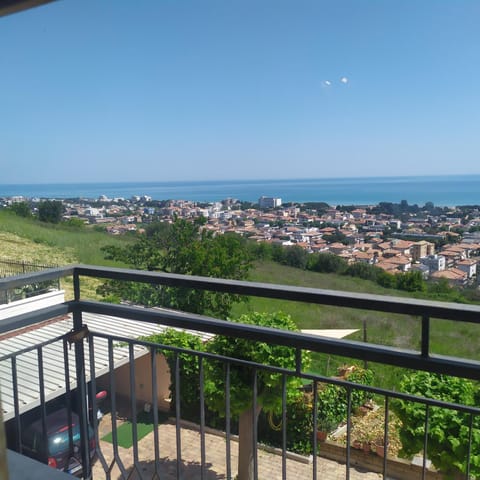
column 441, row 190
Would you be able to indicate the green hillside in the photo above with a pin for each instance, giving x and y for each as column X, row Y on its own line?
column 447, row 337
column 27, row 240
column 68, row 244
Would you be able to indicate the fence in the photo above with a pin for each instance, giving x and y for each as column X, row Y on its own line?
column 10, row 268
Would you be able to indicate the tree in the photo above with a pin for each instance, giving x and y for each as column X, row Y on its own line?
column 448, row 430
column 338, row 237
column 411, row 281
column 295, row 256
column 363, row 270
column 326, row 263
column 50, row 211
column 185, row 248
column 22, row 209
column 269, row 384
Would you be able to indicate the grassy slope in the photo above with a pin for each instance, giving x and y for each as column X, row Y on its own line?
column 83, row 245
column 447, row 337
column 31, row 241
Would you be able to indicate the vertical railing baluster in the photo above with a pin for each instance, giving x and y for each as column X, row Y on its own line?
column 177, row 414
column 425, row 442
column 113, row 408
column 202, row 420
column 227, row 423
column 469, row 451
column 284, row 427
column 156, row 444
column 68, row 392
column 93, row 386
column 255, row 424
column 93, row 396
column 41, row 386
column 386, row 436
column 81, row 393
column 349, row 431
column 425, row 336
column 315, row 427
column 133, row 404
column 16, row 407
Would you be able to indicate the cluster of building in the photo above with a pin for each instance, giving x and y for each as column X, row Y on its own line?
column 354, row 234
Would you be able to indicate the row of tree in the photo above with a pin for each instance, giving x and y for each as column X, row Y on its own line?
column 49, row 211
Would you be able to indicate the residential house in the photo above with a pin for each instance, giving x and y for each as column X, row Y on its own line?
column 365, row 257
column 435, row 263
column 421, row 249
column 455, row 276
column 469, row 266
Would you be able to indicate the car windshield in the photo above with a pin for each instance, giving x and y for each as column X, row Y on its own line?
column 58, row 442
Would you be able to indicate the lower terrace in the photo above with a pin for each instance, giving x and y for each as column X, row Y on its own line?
column 81, row 346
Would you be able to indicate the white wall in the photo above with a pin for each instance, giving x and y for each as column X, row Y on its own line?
column 33, row 303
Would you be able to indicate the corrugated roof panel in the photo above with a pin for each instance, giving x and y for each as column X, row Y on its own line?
column 53, row 357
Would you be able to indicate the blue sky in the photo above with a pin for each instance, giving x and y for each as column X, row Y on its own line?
column 119, row 90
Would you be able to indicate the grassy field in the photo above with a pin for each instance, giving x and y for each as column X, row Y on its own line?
column 403, row 331
column 28, row 240
column 80, row 244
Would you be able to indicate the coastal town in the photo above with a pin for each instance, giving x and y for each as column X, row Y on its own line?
column 440, row 242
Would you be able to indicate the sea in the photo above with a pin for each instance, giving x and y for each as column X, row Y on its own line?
column 440, row 190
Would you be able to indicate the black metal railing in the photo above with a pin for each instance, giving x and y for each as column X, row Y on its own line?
column 79, row 371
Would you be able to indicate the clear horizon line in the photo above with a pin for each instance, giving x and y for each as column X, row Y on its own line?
column 255, row 180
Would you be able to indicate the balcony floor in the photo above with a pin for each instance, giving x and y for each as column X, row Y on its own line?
column 269, row 464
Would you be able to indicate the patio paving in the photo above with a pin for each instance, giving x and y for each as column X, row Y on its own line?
column 269, row 464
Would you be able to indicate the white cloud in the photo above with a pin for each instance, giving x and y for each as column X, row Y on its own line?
column 344, row 80
column 327, row 83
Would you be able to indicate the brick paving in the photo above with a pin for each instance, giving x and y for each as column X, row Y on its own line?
column 269, row 464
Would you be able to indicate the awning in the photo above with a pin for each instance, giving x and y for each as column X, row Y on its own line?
column 331, row 332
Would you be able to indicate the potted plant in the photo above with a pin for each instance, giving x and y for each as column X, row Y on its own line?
column 379, row 446
column 324, row 427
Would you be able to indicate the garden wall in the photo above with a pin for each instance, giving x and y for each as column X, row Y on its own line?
column 397, row 468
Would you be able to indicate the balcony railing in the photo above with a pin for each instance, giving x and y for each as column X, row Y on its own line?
column 64, row 364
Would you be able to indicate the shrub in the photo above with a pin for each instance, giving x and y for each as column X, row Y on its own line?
column 326, row 263
column 299, row 426
column 448, row 430
column 189, row 369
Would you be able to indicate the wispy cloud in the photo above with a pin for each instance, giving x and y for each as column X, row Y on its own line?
column 327, row 83
column 344, row 80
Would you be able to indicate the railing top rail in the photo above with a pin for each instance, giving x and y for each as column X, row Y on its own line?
column 385, row 303
column 365, row 301
column 7, row 283
column 347, row 348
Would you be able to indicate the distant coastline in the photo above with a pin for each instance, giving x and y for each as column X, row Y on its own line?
column 441, row 190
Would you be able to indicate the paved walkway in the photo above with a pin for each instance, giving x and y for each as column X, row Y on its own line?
column 269, row 464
